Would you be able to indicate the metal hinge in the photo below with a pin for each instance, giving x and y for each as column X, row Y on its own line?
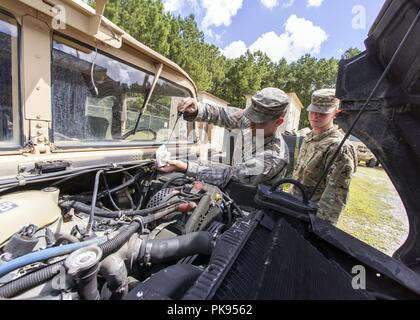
column 43, row 146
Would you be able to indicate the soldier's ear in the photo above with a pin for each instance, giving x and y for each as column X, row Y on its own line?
column 336, row 113
column 280, row 121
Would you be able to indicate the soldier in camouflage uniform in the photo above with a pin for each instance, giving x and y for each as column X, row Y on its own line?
column 317, row 151
column 258, row 162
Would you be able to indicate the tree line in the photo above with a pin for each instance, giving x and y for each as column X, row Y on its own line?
column 180, row 39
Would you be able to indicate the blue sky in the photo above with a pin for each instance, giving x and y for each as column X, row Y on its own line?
column 282, row 28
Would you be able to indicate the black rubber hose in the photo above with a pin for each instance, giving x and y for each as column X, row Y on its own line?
column 30, row 281
column 172, row 180
column 93, row 202
column 241, row 213
column 36, row 278
column 127, row 193
column 122, row 186
column 157, row 251
column 114, row 214
column 229, row 215
column 74, row 175
column 109, row 194
column 119, row 240
column 65, row 238
column 113, row 190
column 191, row 197
column 158, row 215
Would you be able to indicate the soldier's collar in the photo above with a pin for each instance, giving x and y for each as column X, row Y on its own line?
column 318, row 137
column 267, row 140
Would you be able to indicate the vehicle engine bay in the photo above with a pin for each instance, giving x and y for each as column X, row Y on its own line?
column 64, row 242
column 127, row 232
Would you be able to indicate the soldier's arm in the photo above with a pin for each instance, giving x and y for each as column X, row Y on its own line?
column 257, row 170
column 216, row 115
column 334, row 198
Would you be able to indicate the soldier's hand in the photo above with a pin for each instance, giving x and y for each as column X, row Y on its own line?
column 174, row 166
column 188, row 106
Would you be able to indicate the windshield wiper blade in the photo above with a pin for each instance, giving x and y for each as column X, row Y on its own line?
column 146, row 102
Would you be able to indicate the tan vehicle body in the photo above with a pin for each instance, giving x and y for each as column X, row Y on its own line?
column 33, row 94
column 364, row 154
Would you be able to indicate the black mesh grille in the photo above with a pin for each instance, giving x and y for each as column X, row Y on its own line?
column 256, row 263
column 241, row 281
column 283, row 265
column 160, row 197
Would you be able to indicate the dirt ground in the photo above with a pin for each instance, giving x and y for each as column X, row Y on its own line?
column 375, row 213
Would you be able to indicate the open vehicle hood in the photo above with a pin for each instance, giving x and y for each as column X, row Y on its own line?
column 390, row 126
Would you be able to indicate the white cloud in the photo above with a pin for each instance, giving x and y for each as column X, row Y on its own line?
column 275, row 46
column 314, row 3
column 234, row 50
column 220, row 12
column 288, row 3
column 178, row 5
column 172, row 5
column 270, row 4
column 212, row 13
column 300, row 37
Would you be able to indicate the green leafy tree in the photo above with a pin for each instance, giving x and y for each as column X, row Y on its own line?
column 280, row 76
column 351, row 52
column 145, row 20
column 245, row 77
column 203, row 62
column 181, row 40
column 309, row 74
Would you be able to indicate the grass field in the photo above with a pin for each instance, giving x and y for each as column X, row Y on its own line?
column 375, row 213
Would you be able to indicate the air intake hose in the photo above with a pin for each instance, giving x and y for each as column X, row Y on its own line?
column 156, row 251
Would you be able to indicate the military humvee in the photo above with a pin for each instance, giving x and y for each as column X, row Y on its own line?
column 363, row 153
column 84, row 215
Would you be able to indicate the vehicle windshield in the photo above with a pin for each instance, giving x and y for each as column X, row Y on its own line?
column 97, row 100
column 9, row 93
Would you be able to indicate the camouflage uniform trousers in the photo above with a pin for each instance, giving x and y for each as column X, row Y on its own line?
column 316, row 152
column 253, row 163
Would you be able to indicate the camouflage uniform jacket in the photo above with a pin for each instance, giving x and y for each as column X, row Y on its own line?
column 252, row 164
column 315, row 154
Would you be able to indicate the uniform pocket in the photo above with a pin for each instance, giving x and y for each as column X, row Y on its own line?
column 313, row 169
column 316, row 161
